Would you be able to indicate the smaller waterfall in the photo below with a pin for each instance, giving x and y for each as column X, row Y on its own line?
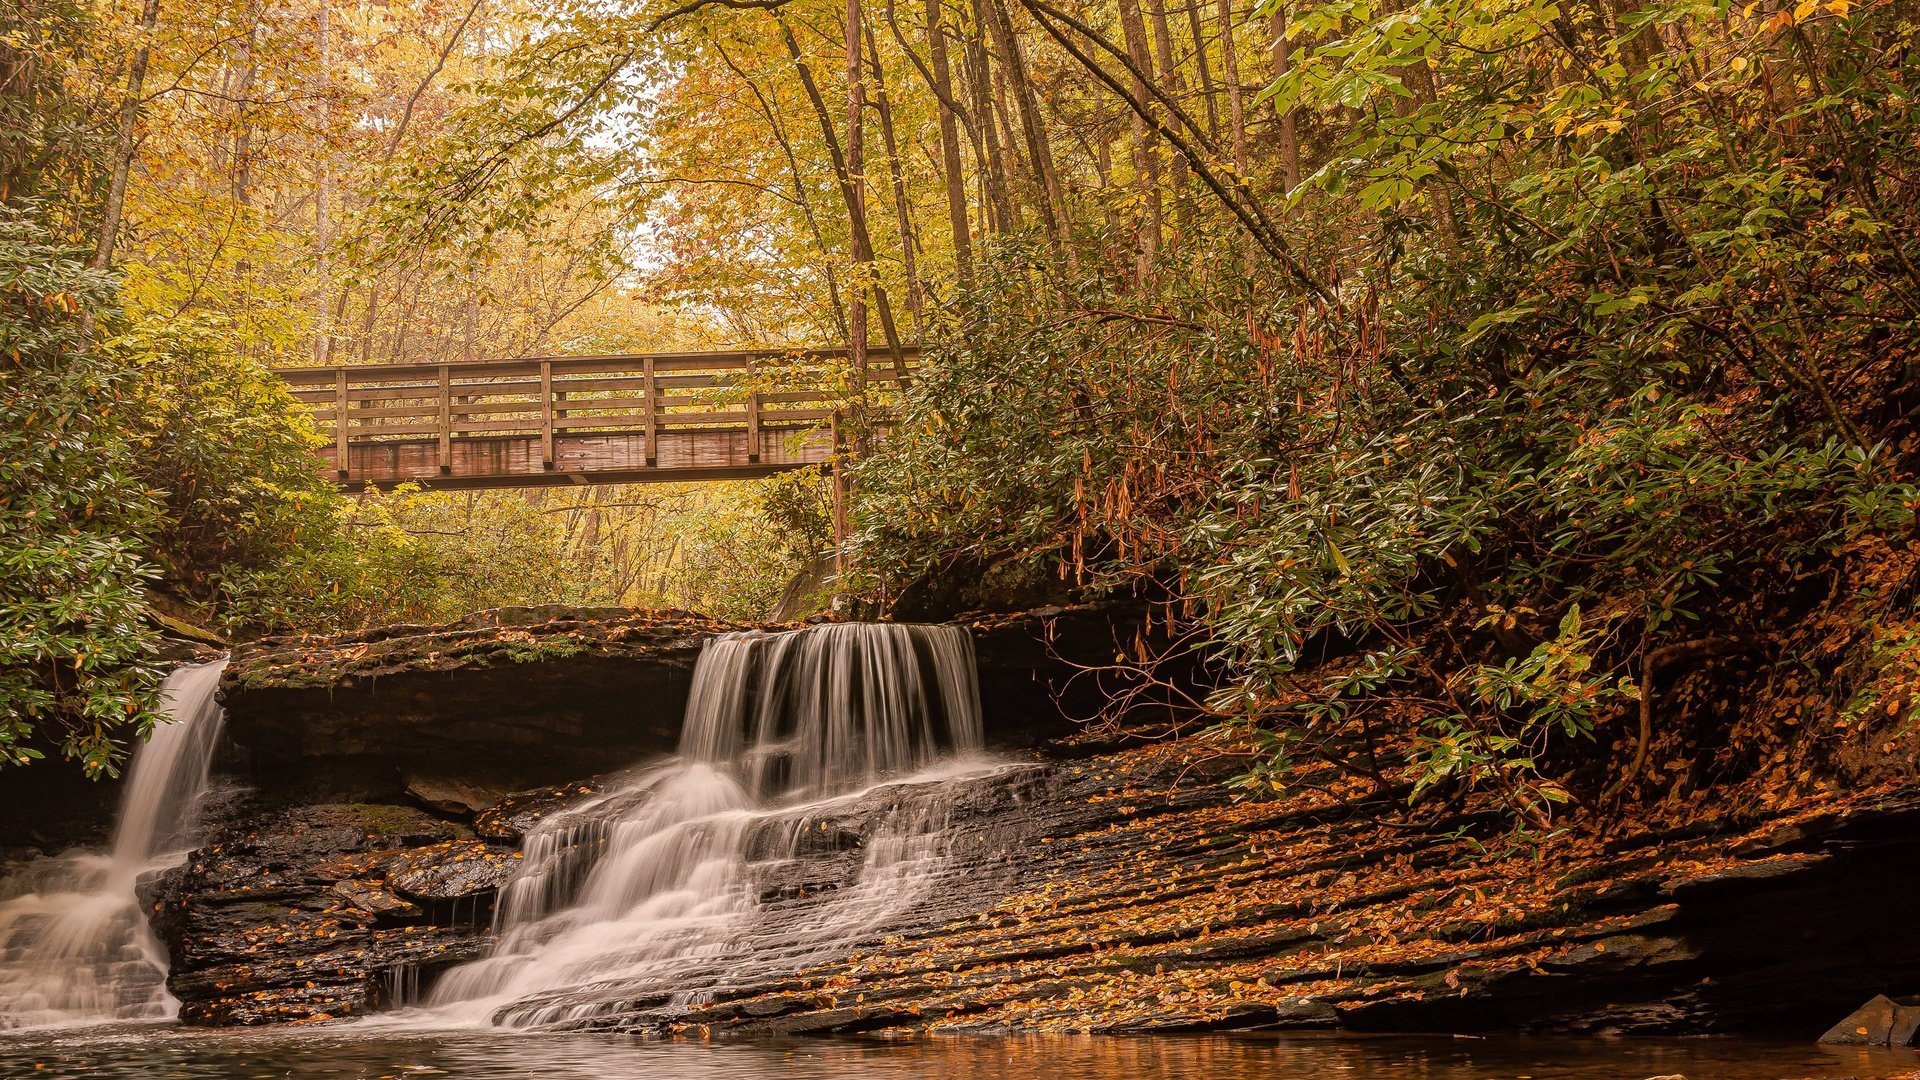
column 653, row 884
column 74, row 944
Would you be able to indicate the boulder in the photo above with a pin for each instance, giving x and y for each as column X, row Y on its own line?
column 1882, row 1021
column 453, row 796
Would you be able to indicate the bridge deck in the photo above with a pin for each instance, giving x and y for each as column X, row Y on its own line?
column 582, row 419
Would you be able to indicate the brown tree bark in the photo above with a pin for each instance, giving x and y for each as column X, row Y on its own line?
column 323, row 197
column 1236, row 104
column 1208, row 91
column 852, row 183
column 903, row 216
column 1049, row 198
column 1146, row 167
column 993, row 174
column 951, row 173
column 856, row 195
column 123, row 140
column 1174, row 87
column 1289, row 127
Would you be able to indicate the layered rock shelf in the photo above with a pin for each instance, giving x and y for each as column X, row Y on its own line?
column 1129, row 893
column 1088, row 884
column 505, row 700
column 520, row 697
column 1126, row 892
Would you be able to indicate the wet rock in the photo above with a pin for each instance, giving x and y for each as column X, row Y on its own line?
column 1882, row 1021
column 450, row 871
column 1131, row 893
column 292, row 914
column 521, row 697
column 451, row 715
column 508, row 821
column 369, row 897
column 451, row 796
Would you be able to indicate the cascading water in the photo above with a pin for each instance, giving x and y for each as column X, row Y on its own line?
column 652, row 888
column 74, row 944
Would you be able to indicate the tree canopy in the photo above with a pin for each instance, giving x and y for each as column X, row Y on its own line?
column 1483, row 392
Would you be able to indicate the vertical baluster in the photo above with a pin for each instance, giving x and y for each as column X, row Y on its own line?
column 446, row 419
column 340, row 422
column 835, row 460
column 753, row 419
column 546, row 414
column 650, row 406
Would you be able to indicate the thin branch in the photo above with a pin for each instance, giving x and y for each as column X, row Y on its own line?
column 413, row 99
column 696, row 5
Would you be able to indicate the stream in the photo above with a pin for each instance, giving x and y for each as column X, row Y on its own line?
column 356, row 1052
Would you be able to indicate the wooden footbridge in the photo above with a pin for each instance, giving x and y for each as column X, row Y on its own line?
column 623, row 419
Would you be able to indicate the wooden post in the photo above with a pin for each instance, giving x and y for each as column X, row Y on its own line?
column 546, row 414
column 446, row 420
column 753, row 420
column 650, row 409
column 340, row 422
column 835, row 460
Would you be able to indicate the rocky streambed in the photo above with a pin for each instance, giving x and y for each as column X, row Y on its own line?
column 1123, row 892
column 1113, row 886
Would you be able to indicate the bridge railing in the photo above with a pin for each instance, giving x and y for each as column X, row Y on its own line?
column 555, row 397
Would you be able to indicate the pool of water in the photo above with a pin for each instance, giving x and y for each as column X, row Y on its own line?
column 351, row 1052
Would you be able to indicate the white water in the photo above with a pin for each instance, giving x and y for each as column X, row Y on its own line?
column 74, row 944
column 655, row 887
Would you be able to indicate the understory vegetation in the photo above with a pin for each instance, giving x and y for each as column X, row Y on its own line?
column 1581, row 361
column 1509, row 402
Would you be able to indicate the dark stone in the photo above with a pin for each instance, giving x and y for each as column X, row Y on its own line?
column 507, row 821
column 1125, row 892
column 451, row 796
column 1882, row 1021
column 449, row 871
column 386, row 908
column 1869, row 1025
column 452, row 716
column 293, row 913
column 513, row 699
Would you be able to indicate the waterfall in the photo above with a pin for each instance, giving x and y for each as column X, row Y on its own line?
column 74, row 944
column 651, row 887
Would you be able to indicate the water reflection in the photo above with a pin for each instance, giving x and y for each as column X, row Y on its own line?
column 347, row 1052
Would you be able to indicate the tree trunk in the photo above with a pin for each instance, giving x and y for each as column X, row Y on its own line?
column 241, row 173
column 1236, row 104
column 1174, row 87
column 1208, row 90
column 993, row 174
column 950, row 151
column 124, row 142
column 322, row 196
column 856, row 191
column 903, row 217
column 1289, row 128
column 1146, row 167
column 1013, row 63
column 852, row 191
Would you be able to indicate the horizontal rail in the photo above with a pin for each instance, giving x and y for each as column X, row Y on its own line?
column 717, row 409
